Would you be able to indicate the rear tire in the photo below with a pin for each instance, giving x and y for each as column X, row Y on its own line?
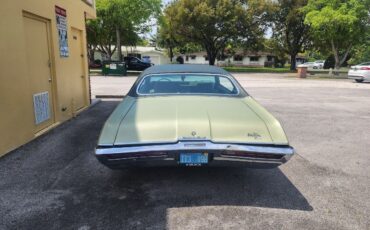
column 359, row 80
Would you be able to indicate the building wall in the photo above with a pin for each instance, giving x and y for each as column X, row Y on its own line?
column 261, row 61
column 157, row 58
column 198, row 60
column 17, row 119
column 246, row 61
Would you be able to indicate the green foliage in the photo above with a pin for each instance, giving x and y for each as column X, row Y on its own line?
column 313, row 55
column 133, row 13
column 361, row 52
column 213, row 24
column 124, row 19
column 290, row 34
column 337, row 25
column 188, row 48
column 166, row 35
column 338, row 20
column 275, row 47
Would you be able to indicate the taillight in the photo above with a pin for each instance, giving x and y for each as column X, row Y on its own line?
column 365, row 68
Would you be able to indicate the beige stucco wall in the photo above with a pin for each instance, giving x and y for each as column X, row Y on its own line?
column 16, row 102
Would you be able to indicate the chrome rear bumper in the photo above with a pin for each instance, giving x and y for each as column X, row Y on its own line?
column 219, row 154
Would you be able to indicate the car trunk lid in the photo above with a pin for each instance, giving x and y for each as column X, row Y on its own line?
column 168, row 119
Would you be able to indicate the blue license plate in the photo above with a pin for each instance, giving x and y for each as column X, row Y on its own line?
column 193, row 158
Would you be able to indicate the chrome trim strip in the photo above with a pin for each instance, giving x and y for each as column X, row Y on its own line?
column 138, row 158
column 187, row 140
column 195, row 145
column 252, row 160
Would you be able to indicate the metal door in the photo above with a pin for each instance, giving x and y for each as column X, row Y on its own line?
column 38, row 55
column 78, row 72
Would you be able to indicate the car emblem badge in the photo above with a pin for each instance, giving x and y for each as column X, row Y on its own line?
column 193, row 133
column 254, row 135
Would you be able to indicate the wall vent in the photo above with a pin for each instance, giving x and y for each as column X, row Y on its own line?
column 41, row 107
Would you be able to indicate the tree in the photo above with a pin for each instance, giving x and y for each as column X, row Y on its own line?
column 101, row 36
column 290, row 34
column 338, row 25
column 275, row 47
column 167, row 36
column 120, row 22
column 92, row 39
column 213, row 24
column 361, row 53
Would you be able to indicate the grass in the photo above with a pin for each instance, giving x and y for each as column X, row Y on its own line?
column 258, row 70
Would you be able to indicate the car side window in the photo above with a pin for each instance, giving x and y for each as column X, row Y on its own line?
column 226, row 83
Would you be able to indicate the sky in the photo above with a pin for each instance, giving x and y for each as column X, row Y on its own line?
column 154, row 27
column 166, row 1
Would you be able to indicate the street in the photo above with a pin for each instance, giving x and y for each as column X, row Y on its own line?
column 55, row 182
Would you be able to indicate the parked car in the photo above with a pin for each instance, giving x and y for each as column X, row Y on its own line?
column 319, row 64
column 360, row 72
column 191, row 115
column 310, row 65
column 134, row 63
column 315, row 65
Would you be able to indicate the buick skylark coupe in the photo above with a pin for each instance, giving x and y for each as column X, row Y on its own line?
column 191, row 115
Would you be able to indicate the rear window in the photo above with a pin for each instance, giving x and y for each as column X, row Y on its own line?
column 186, row 84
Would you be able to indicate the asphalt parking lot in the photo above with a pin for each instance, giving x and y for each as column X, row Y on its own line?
column 55, row 182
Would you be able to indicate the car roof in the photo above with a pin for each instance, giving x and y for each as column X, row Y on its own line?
column 177, row 68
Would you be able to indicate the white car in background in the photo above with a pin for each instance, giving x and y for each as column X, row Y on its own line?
column 319, row 64
column 310, row 65
column 315, row 65
column 360, row 72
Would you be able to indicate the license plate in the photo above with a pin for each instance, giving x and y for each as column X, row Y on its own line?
column 193, row 158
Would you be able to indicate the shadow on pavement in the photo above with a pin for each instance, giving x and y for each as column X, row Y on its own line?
column 181, row 187
column 55, row 182
column 141, row 198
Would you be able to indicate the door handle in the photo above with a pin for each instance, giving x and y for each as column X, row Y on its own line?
column 50, row 80
column 82, row 76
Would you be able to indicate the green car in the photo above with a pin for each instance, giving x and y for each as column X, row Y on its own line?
column 191, row 115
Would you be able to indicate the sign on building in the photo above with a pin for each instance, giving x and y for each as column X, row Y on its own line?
column 61, row 17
